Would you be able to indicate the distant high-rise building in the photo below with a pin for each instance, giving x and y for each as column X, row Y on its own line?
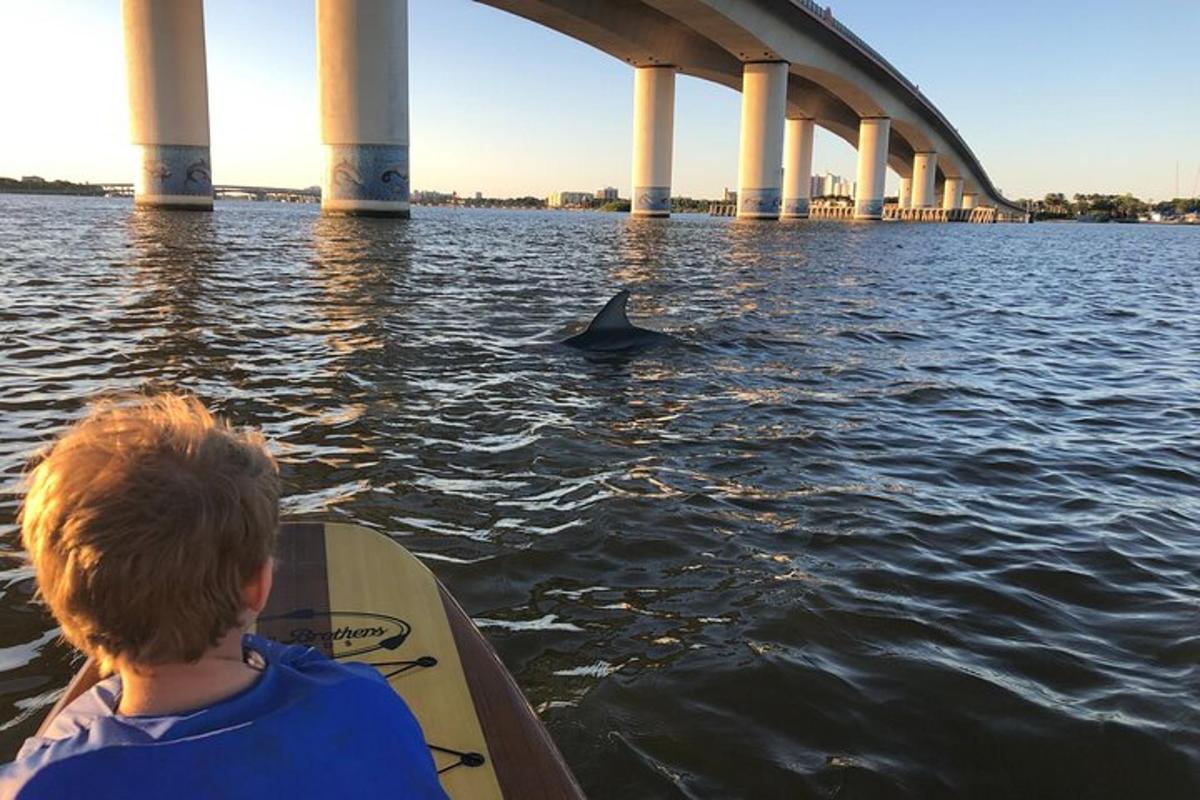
column 830, row 185
column 569, row 199
column 479, row 195
column 430, row 197
column 606, row 194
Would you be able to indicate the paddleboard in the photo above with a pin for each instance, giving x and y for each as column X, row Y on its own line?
column 357, row 595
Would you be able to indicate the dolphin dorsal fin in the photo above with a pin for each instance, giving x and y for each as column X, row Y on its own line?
column 612, row 316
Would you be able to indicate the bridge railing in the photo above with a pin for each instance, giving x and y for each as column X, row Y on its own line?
column 825, row 14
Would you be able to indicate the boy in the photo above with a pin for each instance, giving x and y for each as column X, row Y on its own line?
column 150, row 526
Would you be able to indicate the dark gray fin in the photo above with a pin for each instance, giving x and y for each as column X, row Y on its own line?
column 612, row 316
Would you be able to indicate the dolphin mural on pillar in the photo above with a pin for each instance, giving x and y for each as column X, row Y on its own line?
column 611, row 331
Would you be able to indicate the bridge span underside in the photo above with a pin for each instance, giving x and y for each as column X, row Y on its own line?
column 794, row 64
column 833, row 78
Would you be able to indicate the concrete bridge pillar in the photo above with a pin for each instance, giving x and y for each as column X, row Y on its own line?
column 764, row 101
column 905, row 199
column 653, row 134
column 797, row 168
column 168, row 103
column 924, row 179
column 362, row 82
column 969, row 200
column 872, row 166
column 952, row 193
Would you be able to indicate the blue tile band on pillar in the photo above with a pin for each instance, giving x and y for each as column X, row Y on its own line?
column 366, row 179
column 795, row 207
column 869, row 209
column 759, row 202
column 175, row 175
column 652, row 200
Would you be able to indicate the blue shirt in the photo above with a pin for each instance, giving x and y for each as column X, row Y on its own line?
column 309, row 727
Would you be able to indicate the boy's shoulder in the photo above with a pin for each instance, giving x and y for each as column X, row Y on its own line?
column 73, row 728
column 298, row 683
column 320, row 672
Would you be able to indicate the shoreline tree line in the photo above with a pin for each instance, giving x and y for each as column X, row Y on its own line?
column 1054, row 206
column 1108, row 207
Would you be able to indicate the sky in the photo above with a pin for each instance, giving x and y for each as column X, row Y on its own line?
column 1070, row 96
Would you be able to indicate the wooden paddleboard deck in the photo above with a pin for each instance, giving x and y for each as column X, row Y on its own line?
column 359, row 596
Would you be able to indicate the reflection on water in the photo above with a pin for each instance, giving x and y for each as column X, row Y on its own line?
column 169, row 301
column 909, row 512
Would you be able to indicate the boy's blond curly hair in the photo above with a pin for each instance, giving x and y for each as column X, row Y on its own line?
column 144, row 522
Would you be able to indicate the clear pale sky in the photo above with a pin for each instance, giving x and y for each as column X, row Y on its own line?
column 1071, row 96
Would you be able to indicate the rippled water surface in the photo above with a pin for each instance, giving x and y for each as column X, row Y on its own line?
column 911, row 511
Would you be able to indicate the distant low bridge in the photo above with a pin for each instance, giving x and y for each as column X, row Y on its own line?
column 258, row 192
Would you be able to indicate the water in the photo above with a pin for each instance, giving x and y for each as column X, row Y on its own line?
column 912, row 511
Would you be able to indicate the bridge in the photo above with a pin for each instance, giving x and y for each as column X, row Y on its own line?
column 796, row 66
column 232, row 191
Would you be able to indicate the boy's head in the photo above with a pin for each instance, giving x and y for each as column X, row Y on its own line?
column 144, row 523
